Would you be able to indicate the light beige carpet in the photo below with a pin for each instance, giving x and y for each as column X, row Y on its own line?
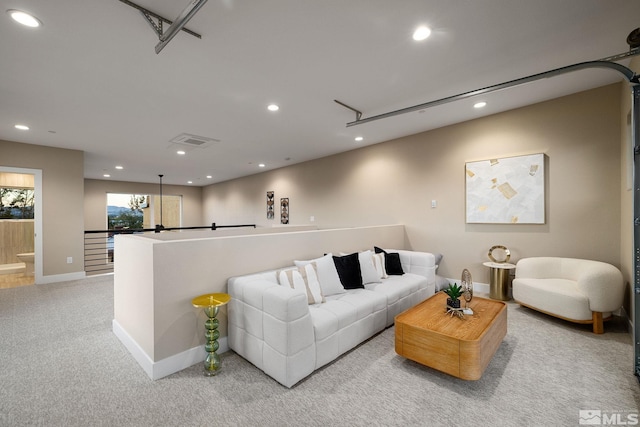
column 61, row 365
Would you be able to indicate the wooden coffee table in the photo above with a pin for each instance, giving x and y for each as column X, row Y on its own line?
column 460, row 347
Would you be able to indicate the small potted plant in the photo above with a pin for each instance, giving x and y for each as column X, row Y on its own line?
column 453, row 292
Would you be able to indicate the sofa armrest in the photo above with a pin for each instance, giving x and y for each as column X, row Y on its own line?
column 262, row 308
column 421, row 263
column 271, row 326
column 603, row 285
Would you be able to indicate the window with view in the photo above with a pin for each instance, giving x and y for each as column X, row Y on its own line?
column 16, row 203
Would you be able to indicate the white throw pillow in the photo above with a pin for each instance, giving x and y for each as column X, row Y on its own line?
column 304, row 279
column 378, row 262
column 367, row 268
column 327, row 274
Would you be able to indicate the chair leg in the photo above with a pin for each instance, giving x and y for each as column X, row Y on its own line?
column 598, row 325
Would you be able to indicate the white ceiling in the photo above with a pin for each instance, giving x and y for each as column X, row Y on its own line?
column 89, row 78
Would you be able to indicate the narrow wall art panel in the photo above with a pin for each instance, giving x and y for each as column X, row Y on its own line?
column 270, row 203
column 509, row 190
column 284, row 211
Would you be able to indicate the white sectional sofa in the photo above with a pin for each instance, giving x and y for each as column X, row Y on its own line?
column 288, row 332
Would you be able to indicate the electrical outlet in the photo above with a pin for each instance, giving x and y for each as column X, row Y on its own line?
column 69, row 260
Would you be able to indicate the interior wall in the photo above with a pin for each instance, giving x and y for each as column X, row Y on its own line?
column 95, row 200
column 62, row 200
column 396, row 181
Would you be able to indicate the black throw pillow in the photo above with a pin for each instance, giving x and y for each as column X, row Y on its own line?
column 391, row 262
column 348, row 267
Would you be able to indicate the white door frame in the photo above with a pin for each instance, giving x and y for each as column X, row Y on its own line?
column 37, row 224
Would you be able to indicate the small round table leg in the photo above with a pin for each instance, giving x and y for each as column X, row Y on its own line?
column 212, row 362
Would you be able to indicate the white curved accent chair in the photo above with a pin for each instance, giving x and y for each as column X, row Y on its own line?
column 577, row 290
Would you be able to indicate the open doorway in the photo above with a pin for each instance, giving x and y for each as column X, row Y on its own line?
column 137, row 211
column 128, row 213
column 20, row 227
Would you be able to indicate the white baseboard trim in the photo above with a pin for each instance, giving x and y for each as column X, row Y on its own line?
column 55, row 278
column 478, row 287
column 481, row 287
column 169, row 365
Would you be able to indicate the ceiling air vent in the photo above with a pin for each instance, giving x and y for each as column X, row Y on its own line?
column 193, row 141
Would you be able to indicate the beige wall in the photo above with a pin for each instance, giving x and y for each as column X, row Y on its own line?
column 395, row 181
column 95, row 200
column 62, row 201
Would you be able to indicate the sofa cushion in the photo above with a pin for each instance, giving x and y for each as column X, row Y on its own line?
column 378, row 263
column 438, row 259
column 305, row 279
column 368, row 269
column 559, row 297
column 395, row 288
column 327, row 275
column 342, row 310
column 349, row 272
column 392, row 263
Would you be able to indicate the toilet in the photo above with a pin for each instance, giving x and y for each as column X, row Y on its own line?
column 28, row 259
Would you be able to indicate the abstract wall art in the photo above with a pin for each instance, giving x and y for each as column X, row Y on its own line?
column 270, row 203
column 284, row 210
column 506, row 190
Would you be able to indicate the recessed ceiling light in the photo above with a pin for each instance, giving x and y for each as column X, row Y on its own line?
column 359, row 138
column 421, row 33
column 119, row 167
column 22, row 127
column 24, row 18
column 106, row 175
column 181, row 153
column 209, row 177
column 189, row 182
column 273, row 107
column 261, row 165
column 480, row 104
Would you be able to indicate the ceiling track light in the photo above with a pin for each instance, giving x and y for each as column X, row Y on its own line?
column 165, row 36
column 629, row 74
column 358, row 113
